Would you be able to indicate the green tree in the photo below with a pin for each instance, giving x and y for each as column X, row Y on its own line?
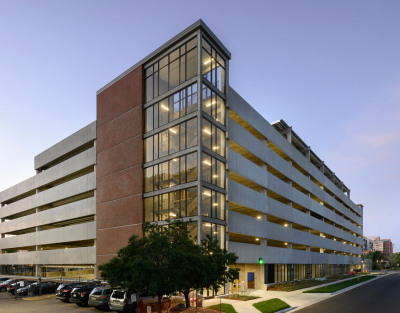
column 218, row 270
column 394, row 259
column 167, row 261
column 375, row 256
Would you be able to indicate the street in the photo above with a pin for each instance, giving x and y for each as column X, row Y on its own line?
column 379, row 296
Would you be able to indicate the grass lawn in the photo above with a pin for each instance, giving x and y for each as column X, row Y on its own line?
column 341, row 285
column 271, row 306
column 225, row 307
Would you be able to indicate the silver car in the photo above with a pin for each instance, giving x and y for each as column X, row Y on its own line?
column 122, row 301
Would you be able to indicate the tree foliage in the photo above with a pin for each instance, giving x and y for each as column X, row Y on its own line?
column 167, row 261
column 394, row 259
column 375, row 256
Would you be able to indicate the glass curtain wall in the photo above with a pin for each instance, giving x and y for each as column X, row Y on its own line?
column 184, row 140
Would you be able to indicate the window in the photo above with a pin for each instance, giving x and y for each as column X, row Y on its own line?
column 175, row 68
column 213, row 66
column 213, row 204
column 213, row 138
column 174, row 139
column 213, row 231
column 171, row 173
column 213, row 105
column 213, row 171
column 169, row 109
column 180, row 203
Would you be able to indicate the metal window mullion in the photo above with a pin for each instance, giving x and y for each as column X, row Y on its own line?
column 199, row 138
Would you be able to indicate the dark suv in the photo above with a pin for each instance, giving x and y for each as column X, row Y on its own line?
column 63, row 291
column 6, row 283
column 43, row 287
column 80, row 294
column 19, row 284
column 100, row 297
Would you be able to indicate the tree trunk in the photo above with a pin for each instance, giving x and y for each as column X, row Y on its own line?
column 187, row 302
column 159, row 303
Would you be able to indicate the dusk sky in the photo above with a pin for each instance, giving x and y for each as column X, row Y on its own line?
column 330, row 69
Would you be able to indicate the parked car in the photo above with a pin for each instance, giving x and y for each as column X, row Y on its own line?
column 100, row 297
column 3, row 279
column 121, row 301
column 80, row 294
column 5, row 284
column 63, row 291
column 19, row 284
column 46, row 286
column 22, row 291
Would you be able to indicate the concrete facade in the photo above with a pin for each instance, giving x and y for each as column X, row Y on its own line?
column 173, row 139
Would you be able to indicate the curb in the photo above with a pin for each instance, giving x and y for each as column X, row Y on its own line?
column 38, row 298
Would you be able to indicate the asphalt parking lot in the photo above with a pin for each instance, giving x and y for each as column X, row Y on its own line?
column 10, row 305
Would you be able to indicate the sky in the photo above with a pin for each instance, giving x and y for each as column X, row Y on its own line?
column 330, row 69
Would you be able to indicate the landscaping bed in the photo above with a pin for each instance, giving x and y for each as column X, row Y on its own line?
column 240, row 297
column 341, row 285
column 224, row 307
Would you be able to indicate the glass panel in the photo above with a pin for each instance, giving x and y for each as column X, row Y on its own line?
column 175, row 106
column 163, row 81
column 191, row 66
column 207, row 101
column 174, row 172
column 191, row 44
column 182, row 69
column 164, row 207
column 148, row 119
column 173, row 55
column 206, row 62
column 206, row 134
column 155, row 146
column 148, row 149
column 220, row 235
column 183, row 203
column 206, row 202
column 164, row 175
column 149, row 88
column 220, row 142
column 192, row 202
column 191, row 133
column 192, row 99
column 155, row 107
column 182, row 95
column 173, row 139
column 206, row 168
column 220, row 111
column 174, row 202
column 219, row 206
column 148, row 209
column 182, row 133
column 163, row 144
column 174, row 74
column 193, row 231
column 220, row 83
column 182, row 169
column 213, row 72
column 148, row 179
column 156, row 205
column 156, row 78
column 148, row 71
column 156, row 178
column 191, row 167
column 220, row 60
column 164, row 61
column 206, row 46
column 220, row 173
column 206, row 230
column 163, row 112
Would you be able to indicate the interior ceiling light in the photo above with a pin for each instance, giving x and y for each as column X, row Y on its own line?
column 207, row 131
column 259, row 217
column 208, row 61
column 206, row 162
column 164, row 107
column 207, row 193
column 172, row 130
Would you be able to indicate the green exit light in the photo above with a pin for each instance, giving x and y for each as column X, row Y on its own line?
column 260, row 261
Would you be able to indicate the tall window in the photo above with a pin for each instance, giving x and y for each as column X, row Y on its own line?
column 213, row 105
column 175, row 68
column 169, row 109
column 213, row 66
column 213, row 138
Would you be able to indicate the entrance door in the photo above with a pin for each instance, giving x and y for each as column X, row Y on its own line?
column 250, row 280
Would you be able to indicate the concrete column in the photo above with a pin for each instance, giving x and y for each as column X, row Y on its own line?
column 308, row 249
column 289, row 135
column 348, row 193
column 322, row 166
column 308, row 153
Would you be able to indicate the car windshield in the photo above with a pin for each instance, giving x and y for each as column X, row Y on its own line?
column 97, row 292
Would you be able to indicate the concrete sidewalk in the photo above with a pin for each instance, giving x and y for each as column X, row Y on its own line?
column 296, row 299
